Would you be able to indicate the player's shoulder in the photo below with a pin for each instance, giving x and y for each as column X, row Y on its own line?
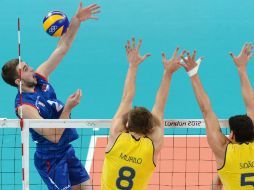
column 113, row 137
column 112, row 141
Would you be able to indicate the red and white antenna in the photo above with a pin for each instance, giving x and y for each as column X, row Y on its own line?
column 20, row 76
column 20, row 111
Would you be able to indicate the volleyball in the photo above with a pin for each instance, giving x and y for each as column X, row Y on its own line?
column 55, row 23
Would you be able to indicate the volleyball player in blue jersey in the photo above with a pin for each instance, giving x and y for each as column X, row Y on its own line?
column 54, row 158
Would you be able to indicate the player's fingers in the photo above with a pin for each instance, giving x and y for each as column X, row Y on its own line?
column 194, row 55
column 247, row 47
column 133, row 42
column 94, row 18
column 76, row 94
column 163, row 56
column 94, row 8
column 182, row 54
column 127, row 50
column 146, row 56
column 232, row 55
column 91, row 6
column 244, row 46
column 176, row 52
column 188, row 56
column 95, row 12
column 80, row 4
column 184, row 60
column 79, row 95
column 128, row 44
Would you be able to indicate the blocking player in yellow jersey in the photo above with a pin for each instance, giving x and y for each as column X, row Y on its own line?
column 234, row 157
column 136, row 134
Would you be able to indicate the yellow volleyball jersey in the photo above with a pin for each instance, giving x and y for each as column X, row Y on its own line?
column 129, row 164
column 238, row 170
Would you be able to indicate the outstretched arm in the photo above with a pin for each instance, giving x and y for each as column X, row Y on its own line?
column 241, row 62
column 134, row 60
column 66, row 40
column 215, row 137
column 170, row 66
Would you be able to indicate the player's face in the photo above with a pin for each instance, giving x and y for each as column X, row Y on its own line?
column 27, row 73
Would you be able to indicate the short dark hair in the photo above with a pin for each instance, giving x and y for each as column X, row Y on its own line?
column 140, row 120
column 242, row 127
column 9, row 72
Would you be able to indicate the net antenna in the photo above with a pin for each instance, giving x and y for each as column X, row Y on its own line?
column 24, row 133
column 20, row 77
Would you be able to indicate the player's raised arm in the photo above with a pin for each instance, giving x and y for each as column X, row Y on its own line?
column 65, row 42
column 215, row 137
column 241, row 62
column 134, row 60
column 170, row 66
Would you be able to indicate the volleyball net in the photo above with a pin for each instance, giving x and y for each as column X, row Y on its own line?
column 185, row 163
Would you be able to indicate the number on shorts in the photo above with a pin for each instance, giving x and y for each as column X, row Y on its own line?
column 244, row 181
column 123, row 177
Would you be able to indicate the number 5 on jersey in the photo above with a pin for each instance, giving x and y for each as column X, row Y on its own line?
column 245, row 179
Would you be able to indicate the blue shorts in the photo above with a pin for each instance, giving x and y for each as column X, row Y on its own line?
column 62, row 171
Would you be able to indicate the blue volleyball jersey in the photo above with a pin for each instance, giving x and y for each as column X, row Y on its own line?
column 49, row 107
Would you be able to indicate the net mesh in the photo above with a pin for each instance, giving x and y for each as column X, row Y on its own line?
column 10, row 159
column 185, row 163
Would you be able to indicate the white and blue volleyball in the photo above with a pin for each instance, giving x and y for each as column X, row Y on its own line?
column 56, row 23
